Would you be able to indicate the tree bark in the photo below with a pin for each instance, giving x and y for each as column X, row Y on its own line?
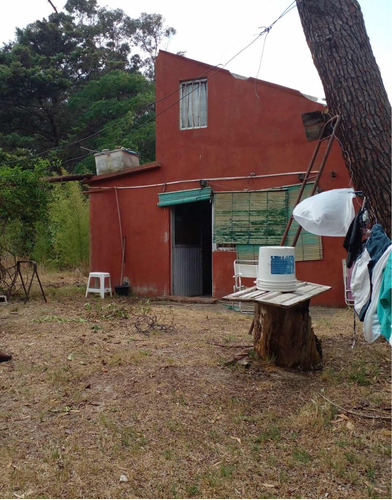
column 341, row 51
column 285, row 336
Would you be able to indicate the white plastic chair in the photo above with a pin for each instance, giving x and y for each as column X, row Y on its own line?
column 99, row 283
column 244, row 269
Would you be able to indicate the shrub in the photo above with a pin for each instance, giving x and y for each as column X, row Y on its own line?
column 69, row 226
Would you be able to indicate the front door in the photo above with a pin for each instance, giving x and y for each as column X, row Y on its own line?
column 192, row 249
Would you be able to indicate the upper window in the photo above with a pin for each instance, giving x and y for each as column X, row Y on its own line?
column 193, row 104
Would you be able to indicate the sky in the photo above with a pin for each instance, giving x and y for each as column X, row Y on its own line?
column 214, row 31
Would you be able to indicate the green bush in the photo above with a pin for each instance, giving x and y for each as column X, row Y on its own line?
column 42, row 221
column 68, row 227
column 24, row 200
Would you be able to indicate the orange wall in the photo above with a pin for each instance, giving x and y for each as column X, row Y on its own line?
column 146, row 231
column 251, row 130
column 247, row 132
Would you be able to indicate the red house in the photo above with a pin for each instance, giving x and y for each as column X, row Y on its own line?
column 231, row 153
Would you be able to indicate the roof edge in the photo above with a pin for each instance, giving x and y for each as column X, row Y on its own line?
column 124, row 172
column 245, row 78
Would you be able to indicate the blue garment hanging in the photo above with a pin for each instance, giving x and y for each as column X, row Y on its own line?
column 376, row 245
column 384, row 307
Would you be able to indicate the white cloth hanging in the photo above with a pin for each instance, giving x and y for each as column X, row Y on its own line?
column 371, row 323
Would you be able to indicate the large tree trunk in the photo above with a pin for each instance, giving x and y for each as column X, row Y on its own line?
column 341, row 51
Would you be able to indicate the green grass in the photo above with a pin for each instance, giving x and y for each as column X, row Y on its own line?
column 301, row 455
column 272, row 433
column 359, row 374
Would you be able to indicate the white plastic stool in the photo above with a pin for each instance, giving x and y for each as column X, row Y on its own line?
column 96, row 284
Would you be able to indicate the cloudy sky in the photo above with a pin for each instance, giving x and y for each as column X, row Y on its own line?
column 213, row 31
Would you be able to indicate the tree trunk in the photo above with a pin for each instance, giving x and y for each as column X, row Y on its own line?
column 285, row 336
column 341, row 51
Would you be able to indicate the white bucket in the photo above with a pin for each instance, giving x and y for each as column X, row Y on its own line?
column 276, row 269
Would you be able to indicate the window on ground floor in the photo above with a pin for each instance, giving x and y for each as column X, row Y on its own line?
column 248, row 220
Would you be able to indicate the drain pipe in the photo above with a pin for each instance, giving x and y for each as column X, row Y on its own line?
column 122, row 238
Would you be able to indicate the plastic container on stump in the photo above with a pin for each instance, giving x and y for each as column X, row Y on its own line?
column 276, row 270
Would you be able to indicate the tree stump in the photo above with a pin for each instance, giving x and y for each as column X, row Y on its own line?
column 285, row 335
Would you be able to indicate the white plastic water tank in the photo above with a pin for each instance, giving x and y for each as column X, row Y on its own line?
column 276, row 269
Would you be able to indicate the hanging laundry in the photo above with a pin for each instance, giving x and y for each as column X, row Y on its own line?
column 353, row 240
column 360, row 283
column 384, row 307
column 362, row 280
column 371, row 323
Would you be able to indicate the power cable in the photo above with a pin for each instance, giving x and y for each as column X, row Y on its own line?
column 261, row 59
column 267, row 31
column 219, row 67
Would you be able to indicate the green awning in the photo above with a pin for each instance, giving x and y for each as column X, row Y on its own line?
column 186, row 196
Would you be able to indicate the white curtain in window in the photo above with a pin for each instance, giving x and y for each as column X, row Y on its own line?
column 193, row 104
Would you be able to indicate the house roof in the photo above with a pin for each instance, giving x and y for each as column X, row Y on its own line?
column 123, row 173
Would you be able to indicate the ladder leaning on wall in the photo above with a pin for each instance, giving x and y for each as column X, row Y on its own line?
column 333, row 124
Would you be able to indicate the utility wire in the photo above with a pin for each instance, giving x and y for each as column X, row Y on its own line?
column 261, row 60
column 267, row 30
column 220, row 67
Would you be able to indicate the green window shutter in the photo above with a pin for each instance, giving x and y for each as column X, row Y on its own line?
column 186, row 196
column 257, row 217
column 267, row 217
column 248, row 252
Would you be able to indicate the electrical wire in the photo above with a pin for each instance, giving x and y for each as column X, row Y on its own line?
column 218, row 67
column 267, row 31
column 185, row 181
column 261, row 59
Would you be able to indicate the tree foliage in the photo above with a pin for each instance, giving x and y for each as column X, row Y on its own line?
column 149, row 35
column 49, row 224
column 77, row 82
column 337, row 38
column 114, row 110
column 85, row 53
column 24, row 199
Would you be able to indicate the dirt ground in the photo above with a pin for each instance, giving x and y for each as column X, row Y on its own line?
column 127, row 398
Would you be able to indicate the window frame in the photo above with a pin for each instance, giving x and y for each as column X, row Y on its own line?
column 190, row 100
column 230, row 227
